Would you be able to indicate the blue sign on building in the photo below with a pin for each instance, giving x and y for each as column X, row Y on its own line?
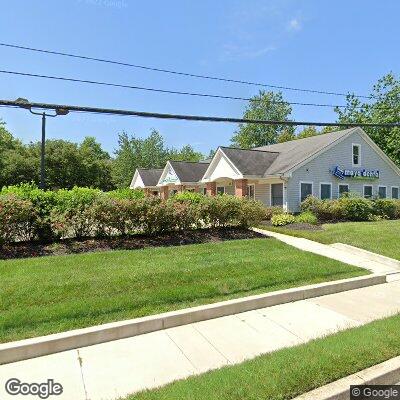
column 355, row 173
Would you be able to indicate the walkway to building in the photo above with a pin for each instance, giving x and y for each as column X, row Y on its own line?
column 118, row 368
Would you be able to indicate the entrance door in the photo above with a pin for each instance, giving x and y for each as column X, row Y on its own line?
column 277, row 194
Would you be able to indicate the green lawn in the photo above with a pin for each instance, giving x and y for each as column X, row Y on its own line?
column 290, row 372
column 51, row 294
column 381, row 237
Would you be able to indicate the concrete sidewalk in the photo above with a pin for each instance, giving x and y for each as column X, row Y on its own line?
column 362, row 258
column 121, row 367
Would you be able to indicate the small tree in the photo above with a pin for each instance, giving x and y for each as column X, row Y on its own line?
column 264, row 106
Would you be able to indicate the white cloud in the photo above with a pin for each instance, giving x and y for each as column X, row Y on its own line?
column 294, row 24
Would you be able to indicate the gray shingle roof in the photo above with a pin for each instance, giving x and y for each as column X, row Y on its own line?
column 151, row 176
column 295, row 151
column 250, row 162
column 278, row 158
column 189, row 171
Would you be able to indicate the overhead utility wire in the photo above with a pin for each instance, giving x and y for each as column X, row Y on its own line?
column 144, row 114
column 75, row 80
column 168, row 71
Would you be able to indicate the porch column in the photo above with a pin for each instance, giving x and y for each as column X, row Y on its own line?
column 164, row 192
column 181, row 188
column 211, row 188
column 241, row 187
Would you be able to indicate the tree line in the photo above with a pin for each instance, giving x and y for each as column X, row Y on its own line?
column 87, row 164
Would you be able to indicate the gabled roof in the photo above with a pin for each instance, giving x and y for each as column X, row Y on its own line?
column 296, row 151
column 188, row 171
column 250, row 162
column 150, row 176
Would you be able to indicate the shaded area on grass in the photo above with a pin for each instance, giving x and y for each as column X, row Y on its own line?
column 72, row 246
column 381, row 237
column 45, row 295
column 290, row 372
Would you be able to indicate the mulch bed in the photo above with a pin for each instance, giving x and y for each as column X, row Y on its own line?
column 73, row 246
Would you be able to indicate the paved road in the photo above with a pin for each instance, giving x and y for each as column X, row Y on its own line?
column 113, row 369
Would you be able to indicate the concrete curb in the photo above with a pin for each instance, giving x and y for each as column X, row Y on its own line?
column 40, row 346
column 386, row 373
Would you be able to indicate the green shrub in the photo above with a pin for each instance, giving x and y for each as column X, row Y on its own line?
column 17, row 219
column 283, row 219
column 311, row 204
column 356, row 209
column 269, row 212
column 251, row 213
column 386, row 208
column 307, row 217
column 193, row 197
column 126, row 193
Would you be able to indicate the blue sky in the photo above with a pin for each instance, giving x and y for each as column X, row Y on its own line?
column 327, row 45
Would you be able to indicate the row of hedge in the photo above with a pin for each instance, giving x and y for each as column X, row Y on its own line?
column 28, row 213
column 352, row 209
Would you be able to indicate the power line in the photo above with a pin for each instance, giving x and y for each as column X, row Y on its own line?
column 217, row 96
column 144, row 114
column 168, row 71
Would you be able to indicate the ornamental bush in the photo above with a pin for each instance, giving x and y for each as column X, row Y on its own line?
column 269, row 212
column 18, row 219
column 386, row 208
column 356, row 209
column 307, row 217
column 283, row 219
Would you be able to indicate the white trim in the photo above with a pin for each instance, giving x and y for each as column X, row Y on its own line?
column 391, row 192
column 342, row 184
column 320, row 191
column 372, row 191
column 386, row 192
column 359, row 154
column 254, row 191
column 165, row 170
column 270, row 192
column 219, row 153
column 308, row 183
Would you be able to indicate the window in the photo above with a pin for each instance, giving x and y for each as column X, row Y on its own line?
column 250, row 192
column 326, row 191
column 305, row 190
column 204, row 191
column 382, row 192
column 395, row 192
column 356, row 155
column 343, row 189
column 368, row 192
column 220, row 189
column 277, row 194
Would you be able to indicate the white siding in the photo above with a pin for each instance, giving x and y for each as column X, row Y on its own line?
column 262, row 193
column 318, row 170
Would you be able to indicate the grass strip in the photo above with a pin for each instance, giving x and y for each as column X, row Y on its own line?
column 290, row 372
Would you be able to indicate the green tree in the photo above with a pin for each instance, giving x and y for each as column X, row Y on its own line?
column 286, row 135
column 382, row 107
column 133, row 152
column 186, row 153
column 308, row 131
column 263, row 106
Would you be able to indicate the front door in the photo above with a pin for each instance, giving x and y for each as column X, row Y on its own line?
column 277, row 194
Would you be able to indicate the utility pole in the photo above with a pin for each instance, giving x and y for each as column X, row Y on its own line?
column 58, row 111
column 42, row 154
